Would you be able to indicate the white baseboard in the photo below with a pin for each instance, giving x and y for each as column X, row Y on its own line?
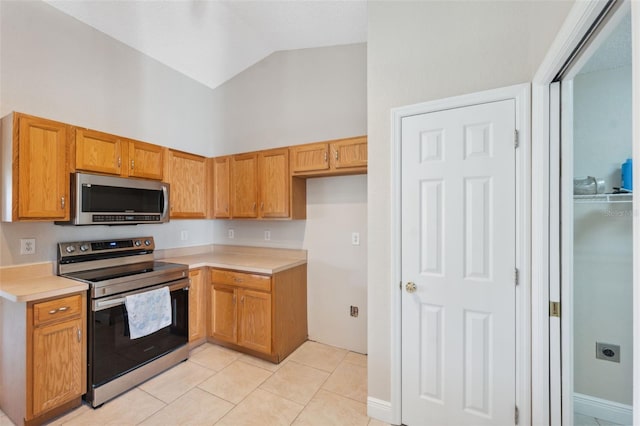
column 603, row 409
column 380, row 410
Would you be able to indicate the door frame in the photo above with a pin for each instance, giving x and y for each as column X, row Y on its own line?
column 578, row 22
column 521, row 93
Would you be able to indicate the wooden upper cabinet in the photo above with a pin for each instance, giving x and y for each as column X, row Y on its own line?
column 98, row 152
column 244, row 185
column 109, row 154
column 39, row 184
column 274, row 183
column 145, row 160
column 187, row 175
column 221, row 187
column 349, row 153
column 332, row 158
column 309, row 157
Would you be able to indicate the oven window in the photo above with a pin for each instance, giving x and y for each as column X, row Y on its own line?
column 113, row 353
column 100, row 198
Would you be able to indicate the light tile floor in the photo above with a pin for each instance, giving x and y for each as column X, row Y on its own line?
column 316, row 385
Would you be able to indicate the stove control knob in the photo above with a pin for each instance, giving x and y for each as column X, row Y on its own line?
column 70, row 249
column 84, row 247
column 137, row 243
column 147, row 242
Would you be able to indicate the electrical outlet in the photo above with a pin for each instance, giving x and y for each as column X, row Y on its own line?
column 608, row 352
column 355, row 238
column 354, row 311
column 27, row 246
column 230, row 234
column 184, row 235
column 267, row 235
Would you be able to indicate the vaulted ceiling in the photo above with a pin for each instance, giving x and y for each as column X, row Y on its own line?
column 212, row 41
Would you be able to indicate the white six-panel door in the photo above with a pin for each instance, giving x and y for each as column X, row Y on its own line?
column 458, row 248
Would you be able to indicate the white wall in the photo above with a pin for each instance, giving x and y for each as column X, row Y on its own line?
column 603, row 247
column 53, row 66
column 421, row 51
column 297, row 97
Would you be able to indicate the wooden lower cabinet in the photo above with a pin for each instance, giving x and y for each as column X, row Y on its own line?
column 197, row 305
column 43, row 361
column 265, row 316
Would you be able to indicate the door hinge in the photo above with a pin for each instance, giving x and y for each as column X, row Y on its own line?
column 517, row 415
column 516, row 139
column 516, row 276
column 554, row 309
column 400, row 285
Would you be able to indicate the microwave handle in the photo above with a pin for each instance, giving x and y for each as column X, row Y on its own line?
column 165, row 196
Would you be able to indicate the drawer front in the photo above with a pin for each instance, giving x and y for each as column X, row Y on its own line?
column 57, row 309
column 241, row 279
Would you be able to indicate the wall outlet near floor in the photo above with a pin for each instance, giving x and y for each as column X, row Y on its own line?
column 184, row 235
column 608, row 352
column 230, row 234
column 354, row 311
column 355, row 238
column 267, row 235
column 27, row 246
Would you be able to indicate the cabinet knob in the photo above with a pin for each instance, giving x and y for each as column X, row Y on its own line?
column 119, row 161
column 132, row 164
column 62, row 202
column 336, row 155
column 325, row 156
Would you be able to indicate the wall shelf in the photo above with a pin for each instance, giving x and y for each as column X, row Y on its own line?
column 604, row 198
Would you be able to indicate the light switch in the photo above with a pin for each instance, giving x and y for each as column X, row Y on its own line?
column 355, row 238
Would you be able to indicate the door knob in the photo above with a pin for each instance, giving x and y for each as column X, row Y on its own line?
column 411, row 287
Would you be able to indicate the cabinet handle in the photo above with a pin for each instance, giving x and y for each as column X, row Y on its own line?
column 234, row 299
column 325, row 156
column 262, row 206
column 242, row 300
column 62, row 202
column 60, row 309
column 238, row 280
column 132, row 164
column 79, row 335
column 254, row 207
column 336, row 156
column 119, row 161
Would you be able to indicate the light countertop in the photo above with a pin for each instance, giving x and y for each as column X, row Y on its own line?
column 256, row 260
column 27, row 283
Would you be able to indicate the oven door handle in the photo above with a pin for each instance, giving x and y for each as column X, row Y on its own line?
column 111, row 302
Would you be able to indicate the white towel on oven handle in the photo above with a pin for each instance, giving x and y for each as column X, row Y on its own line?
column 148, row 312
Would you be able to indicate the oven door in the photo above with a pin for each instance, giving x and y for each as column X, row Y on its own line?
column 113, row 353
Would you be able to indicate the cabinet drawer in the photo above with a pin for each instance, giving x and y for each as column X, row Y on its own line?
column 57, row 309
column 241, row 279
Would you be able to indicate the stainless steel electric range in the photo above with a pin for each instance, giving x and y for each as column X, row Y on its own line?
column 115, row 269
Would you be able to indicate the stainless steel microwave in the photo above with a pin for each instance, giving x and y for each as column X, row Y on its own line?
column 109, row 200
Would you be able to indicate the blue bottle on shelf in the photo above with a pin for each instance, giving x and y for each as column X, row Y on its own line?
column 627, row 175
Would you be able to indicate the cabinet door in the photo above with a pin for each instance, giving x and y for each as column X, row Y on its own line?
column 224, row 313
column 349, row 153
column 42, row 190
column 98, row 152
column 309, row 157
column 254, row 320
column 145, row 160
column 244, row 181
column 57, row 364
column 275, row 183
column 187, row 176
column 221, row 186
column 197, row 304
